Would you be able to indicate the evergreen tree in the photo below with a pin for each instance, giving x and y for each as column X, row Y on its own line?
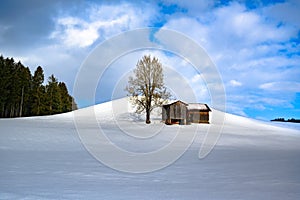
column 22, row 94
column 66, row 99
column 26, row 78
column 37, row 91
column 21, row 81
column 10, row 87
column 4, row 74
column 53, row 96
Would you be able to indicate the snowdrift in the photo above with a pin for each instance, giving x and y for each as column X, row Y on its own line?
column 44, row 158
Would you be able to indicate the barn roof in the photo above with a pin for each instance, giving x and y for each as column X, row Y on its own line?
column 191, row 106
column 174, row 102
column 198, row 106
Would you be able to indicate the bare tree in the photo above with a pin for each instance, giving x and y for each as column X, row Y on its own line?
column 146, row 87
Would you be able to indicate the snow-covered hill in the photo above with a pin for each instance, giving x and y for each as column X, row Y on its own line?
column 44, row 158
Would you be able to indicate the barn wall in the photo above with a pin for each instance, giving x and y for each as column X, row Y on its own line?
column 165, row 113
column 196, row 116
column 204, row 117
column 178, row 111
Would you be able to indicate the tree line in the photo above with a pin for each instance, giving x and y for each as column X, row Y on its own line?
column 23, row 94
column 284, row 120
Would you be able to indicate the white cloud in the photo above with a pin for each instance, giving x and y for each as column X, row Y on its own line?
column 233, row 29
column 102, row 22
column 235, row 83
column 258, row 101
column 77, row 32
column 196, row 78
column 251, row 48
column 285, row 12
column 249, row 27
column 278, row 102
column 176, row 70
column 286, row 86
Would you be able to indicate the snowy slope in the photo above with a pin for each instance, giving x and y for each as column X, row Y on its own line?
column 43, row 158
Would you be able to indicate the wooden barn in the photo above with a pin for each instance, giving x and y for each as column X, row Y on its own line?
column 182, row 113
column 198, row 113
column 175, row 113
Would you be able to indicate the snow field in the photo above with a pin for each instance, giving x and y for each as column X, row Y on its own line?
column 43, row 158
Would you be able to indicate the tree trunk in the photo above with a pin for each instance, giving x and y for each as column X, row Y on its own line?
column 148, row 116
column 3, row 110
column 11, row 111
column 21, row 104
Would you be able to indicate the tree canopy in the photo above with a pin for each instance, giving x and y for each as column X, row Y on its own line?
column 22, row 94
column 146, row 87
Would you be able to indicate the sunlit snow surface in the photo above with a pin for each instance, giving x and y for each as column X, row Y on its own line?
column 43, row 158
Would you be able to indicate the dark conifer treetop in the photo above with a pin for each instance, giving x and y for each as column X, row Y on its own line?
column 22, row 94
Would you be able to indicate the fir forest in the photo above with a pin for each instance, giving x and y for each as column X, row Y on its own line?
column 23, row 94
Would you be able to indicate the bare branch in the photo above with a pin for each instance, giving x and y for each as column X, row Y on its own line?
column 146, row 86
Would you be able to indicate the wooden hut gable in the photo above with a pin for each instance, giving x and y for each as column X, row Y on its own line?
column 178, row 110
column 174, row 111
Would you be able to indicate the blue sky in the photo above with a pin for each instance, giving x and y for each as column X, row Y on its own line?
column 254, row 44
